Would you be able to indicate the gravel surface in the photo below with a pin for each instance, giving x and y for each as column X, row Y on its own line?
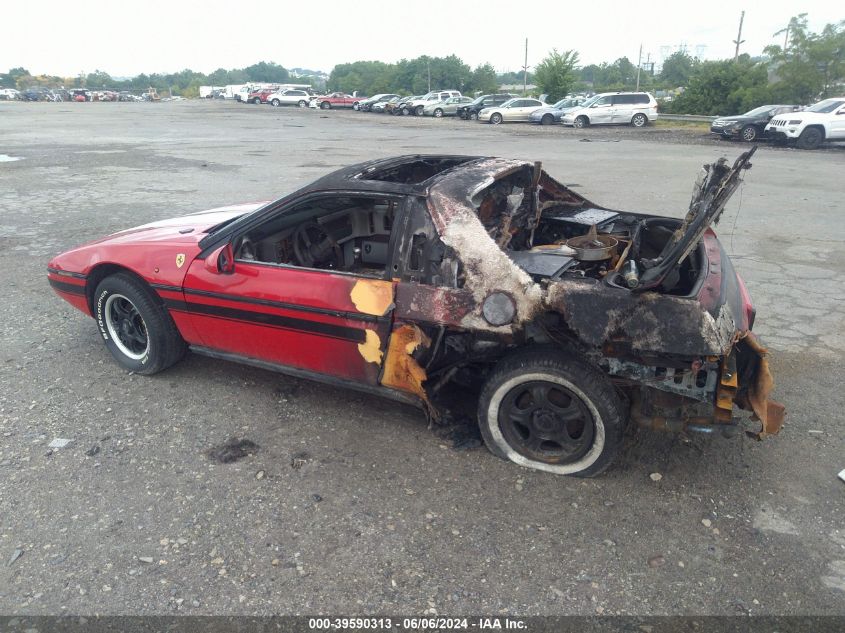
column 214, row 488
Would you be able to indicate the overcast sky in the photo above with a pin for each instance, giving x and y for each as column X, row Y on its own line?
column 127, row 38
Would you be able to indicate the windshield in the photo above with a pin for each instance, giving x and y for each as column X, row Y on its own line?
column 828, row 105
column 590, row 101
column 758, row 111
column 508, row 103
column 565, row 103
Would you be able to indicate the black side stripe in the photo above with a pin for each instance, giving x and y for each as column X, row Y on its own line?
column 67, row 273
column 272, row 320
column 354, row 316
column 71, row 289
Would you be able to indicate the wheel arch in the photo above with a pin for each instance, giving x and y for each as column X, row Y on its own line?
column 101, row 271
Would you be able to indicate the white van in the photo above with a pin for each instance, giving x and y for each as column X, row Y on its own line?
column 614, row 108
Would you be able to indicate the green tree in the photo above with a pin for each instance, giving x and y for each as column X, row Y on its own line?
column 812, row 65
column 677, row 69
column 268, row 72
column 725, row 87
column 555, row 75
column 483, row 79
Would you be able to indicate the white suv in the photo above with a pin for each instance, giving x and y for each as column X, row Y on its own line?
column 609, row 108
column 417, row 106
column 808, row 129
column 289, row 97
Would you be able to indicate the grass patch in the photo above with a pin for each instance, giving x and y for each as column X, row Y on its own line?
column 687, row 125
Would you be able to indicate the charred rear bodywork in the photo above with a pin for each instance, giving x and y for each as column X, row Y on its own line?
column 653, row 302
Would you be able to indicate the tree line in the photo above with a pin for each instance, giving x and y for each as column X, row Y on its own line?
column 809, row 66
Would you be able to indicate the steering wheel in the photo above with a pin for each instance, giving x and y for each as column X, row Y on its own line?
column 312, row 245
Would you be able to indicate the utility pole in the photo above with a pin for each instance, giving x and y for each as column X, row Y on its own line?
column 428, row 65
column 639, row 63
column 525, row 70
column 739, row 39
column 786, row 39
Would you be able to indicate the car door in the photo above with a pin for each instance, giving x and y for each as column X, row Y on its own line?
column 837, row 125
column 622, row 109
column 318, row 321
column 601, row 110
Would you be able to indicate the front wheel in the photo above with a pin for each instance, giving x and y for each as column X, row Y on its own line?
column 581, row 122
column 811, row 138
column 256, row 101
column 136, row 327
column 418, row 111
column 547, row 411
column 495, row 118
column 547, row 119
column 639, row 120
column 438, row 112
column 749, row 133
column 473, row 116
column 355, row 106
column 325, row 105
column 276, row 103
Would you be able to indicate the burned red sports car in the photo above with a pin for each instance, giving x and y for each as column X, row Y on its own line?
column 409, row 276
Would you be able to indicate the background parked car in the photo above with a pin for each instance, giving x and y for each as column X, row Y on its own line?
column 511, row 111
column 289, row 97
column 823, row 121
column 416, row 106
column 336, row 100
column 553, row 113
column 384, row 106
column 399, row 106
column 471, row 110
column 614, row 108
column 445, row 108
column 367, row 104
column 751, row 125
column 9, row 94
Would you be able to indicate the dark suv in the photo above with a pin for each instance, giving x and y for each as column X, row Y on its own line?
column 470, row 110
column 750, row 126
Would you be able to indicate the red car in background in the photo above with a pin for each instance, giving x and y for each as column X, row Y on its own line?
column 260, row 95
column 337, row 100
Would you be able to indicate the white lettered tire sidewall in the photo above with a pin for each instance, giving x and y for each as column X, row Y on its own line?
column 492, row 423
column 165, row 345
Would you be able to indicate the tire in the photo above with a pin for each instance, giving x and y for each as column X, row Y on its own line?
column 302, row 103
column 547, row 119
column 406, row 111
column 581, row 122
column 355, row 106
column 325, row 105
column 256, row 101
column 811, row 138
column 473, row 116
column 495, row 118
column 275, row 103
column 137, row 329
column 639, row 120
column 748, row 134
column 438, row 112
column 548, row 411
column 418, row 111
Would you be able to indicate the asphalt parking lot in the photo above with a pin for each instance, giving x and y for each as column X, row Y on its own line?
column 352, row 505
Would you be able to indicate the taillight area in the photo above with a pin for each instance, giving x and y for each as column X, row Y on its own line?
column 747, row 306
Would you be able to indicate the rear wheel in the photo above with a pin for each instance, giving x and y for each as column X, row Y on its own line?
column 495, row 118
column 547, row 119
column 581, row 121
column 136, row 327
column 547, row 411
column 749, row 133
column 811, row 138
column 302, row 103
column 639, row 120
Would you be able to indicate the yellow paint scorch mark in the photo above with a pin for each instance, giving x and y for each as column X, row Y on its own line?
column 371, row 348
column 401, row 370
column 372, row 296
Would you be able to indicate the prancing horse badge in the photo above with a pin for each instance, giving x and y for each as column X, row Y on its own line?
column 180, row 260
